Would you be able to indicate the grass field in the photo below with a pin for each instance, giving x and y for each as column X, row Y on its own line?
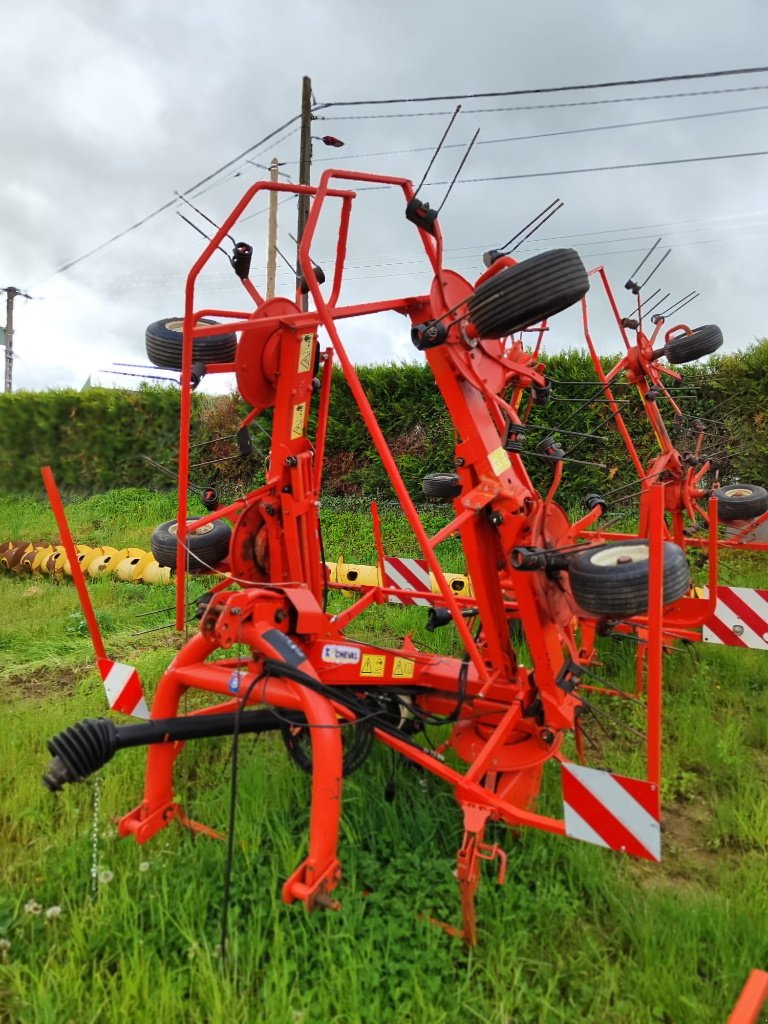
column 95, row 929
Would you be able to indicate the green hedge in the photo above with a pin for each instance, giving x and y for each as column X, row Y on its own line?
column 96, row 439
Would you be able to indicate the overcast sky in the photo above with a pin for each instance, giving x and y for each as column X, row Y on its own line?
column 109, row 109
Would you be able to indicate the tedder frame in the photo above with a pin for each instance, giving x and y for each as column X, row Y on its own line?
column 269, row 653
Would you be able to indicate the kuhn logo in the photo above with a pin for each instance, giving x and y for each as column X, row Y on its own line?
column 338, row 654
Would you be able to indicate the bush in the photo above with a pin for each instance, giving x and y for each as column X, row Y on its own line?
column 95, row 440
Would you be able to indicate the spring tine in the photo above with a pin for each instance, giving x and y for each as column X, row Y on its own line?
column 679, row 304
column 640, row 306
column 458, row 169
column 204, row 216
column 648, row 311
column 530, row 222
column 202, row 444
column 640, row 264
column 437, row 150
column 645, row 282
column 200, row 231
column 536, row 227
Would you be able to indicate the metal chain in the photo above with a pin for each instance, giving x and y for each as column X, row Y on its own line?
column 95, row 837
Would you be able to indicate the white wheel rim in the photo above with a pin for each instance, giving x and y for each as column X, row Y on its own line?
column 199, row 532
column 621, row 555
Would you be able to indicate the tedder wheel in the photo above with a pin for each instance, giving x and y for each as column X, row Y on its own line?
column 441, row 485
column 207, row 546
column 356, row 738
column 703, row 341
column 612, row 579
column 164, row 340
column 740, row 501
column 530, row 291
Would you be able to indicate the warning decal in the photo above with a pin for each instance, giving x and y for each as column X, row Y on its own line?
column 297, row 426
column 373, row 665
column 305, row 352
column 499, row 461
column 403, row 668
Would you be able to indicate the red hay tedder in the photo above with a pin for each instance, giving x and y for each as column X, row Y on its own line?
column 291, row 660
column 688, row 477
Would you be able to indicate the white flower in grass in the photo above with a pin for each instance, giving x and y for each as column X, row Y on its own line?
column 52, row 913
column 32, row 907
column 144, row 866
column 105, row 876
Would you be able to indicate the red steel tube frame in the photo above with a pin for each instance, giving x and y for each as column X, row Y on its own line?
column 513, row 747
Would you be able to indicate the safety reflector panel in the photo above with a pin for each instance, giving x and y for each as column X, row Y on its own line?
column 123, row 688
column 740, row 619
column 408, row 574
column 612, row 811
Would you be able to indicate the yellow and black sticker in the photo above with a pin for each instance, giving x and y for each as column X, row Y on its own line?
column 373, row 665
column 499, row 461
column 305, row 352
column 403, row 668
column 297, row 426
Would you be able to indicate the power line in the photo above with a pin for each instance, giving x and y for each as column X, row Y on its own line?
column 546, row 135
column 221, row 280
column 172, row 202
column 588, row 170
column 544, row 89
column 519, row 92
column 578, row 239
column 545, row 106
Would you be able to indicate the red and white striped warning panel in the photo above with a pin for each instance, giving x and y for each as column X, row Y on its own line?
column 740, row 619
column 123, row 687
column 408, row 574
column 612, row 811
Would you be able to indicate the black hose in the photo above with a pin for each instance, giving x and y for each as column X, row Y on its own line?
column 85, row 747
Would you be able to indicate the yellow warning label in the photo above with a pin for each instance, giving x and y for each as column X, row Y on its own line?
column 499, row 461
column 305, row 352
column 403, row 668
column 297, row 426
column 373, row 665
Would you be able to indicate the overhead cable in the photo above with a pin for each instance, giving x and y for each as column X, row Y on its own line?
column 171, row 202
column 543, row 90
column 547, row 135
column 544, row 106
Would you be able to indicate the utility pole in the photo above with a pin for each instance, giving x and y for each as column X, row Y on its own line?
column 272, row 231
column 10, row 295
column 305, row 163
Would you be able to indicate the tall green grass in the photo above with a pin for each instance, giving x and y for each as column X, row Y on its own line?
column 576, row 934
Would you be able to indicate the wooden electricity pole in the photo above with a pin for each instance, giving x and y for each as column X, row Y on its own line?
column 305, row 164
column 272, row 231
column 10, row 295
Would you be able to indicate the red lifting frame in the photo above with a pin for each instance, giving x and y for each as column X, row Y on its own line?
column 509, row 719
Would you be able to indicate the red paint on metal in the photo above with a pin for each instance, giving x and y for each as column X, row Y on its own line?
column 77, row 573
column 752, row 1000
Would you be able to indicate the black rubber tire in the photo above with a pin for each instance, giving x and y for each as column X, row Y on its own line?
column 206, row 550
column 740, row 501
column 527, row 293
column 356, row 738
column 441, row 485
column 164, row 340
column 605, row 586
column 703, row 341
